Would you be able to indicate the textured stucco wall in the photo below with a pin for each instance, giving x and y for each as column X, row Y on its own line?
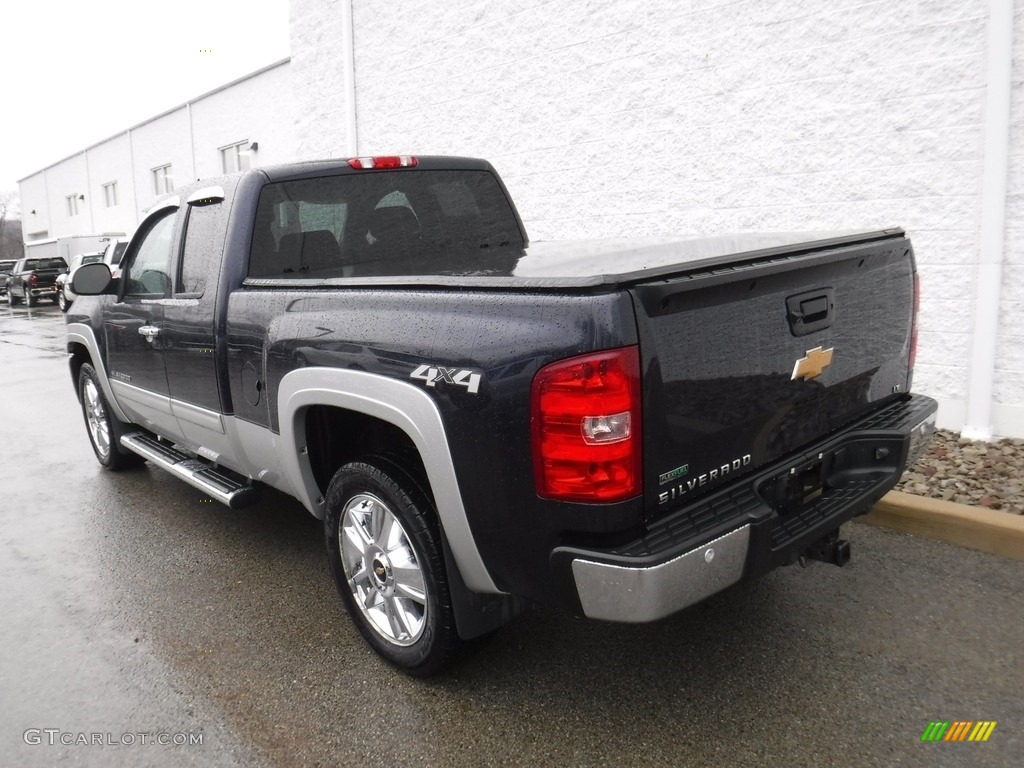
column 1009, row 379
column 317, row 72
column 622, row 118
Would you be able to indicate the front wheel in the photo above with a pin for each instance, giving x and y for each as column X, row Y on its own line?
column 384, row 548
column 103, row 427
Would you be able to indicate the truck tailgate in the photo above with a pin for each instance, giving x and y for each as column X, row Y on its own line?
column 744, row 363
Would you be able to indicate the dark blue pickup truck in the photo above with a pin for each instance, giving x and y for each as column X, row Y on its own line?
column 31, row 279
column 620, row 428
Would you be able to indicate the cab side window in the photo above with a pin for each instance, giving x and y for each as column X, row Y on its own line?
column 205, row 230
column 148, row 274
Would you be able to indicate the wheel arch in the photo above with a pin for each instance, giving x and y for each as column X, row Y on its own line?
column 397, row 411
column 337, row 436
column 83, row 348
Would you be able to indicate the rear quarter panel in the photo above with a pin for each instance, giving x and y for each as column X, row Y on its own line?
column 504, row 336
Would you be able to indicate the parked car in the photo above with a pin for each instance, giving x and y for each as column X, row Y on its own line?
column 5, row 272
column 112, row 254
column 32, row 279
column 64, row 293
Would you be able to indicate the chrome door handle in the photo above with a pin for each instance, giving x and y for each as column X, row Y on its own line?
column 150, row 332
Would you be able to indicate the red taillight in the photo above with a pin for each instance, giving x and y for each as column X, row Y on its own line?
column 586, row 427
column 33, row 279
column 383, row 161
column 913, row 321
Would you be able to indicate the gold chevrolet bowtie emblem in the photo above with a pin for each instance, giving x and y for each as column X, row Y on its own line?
column 811, row 366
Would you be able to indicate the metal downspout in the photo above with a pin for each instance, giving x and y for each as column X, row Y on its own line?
column 349, row 79
column 982, row 364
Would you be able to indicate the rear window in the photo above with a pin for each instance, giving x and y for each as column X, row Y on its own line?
column 57, row 263
column 385, row 223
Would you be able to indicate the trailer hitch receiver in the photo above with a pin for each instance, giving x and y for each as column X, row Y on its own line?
column 829, row 549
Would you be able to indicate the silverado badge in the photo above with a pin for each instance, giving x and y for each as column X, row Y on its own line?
column 811, row 366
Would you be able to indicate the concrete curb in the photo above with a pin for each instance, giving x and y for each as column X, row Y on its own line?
column 999, row 533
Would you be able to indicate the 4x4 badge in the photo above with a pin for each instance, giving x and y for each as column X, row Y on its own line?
column 811, row 365
column 432, row 374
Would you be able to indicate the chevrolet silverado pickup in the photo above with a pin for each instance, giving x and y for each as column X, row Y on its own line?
column 620, row 428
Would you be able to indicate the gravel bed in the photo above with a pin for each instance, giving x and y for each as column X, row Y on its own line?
column 982, row 474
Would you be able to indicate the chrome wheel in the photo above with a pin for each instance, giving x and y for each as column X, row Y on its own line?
column 382, row 570
column 96, row 419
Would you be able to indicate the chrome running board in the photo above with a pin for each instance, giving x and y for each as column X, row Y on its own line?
column 221, row 485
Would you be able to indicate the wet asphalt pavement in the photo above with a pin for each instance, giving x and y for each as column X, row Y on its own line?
column 131, row 607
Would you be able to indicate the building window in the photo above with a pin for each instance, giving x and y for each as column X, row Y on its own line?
column 72, row 203
column 235, row 157
column 163, row 180
column 110, row 194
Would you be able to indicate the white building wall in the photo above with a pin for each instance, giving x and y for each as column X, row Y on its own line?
column 1009, row 380
column 167, row 139
column 111, row 162
column 35, row 211
column 260, row 109
column 67, row 178
column 317, row 72
column 626, row 118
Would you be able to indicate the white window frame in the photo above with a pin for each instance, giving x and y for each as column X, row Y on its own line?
column 72, row 203
column 235, row 157
column 110, row 194
column 163, row 179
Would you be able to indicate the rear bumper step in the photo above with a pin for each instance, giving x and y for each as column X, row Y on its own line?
column 224, row 487
column 752, row 525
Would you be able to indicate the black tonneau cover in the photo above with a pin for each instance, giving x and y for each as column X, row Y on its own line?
column 599, row 265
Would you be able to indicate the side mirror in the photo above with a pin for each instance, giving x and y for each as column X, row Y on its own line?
column 91, row 279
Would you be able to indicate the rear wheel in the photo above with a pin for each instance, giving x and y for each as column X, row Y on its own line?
column 12, row 299
column 30, row 300
column 384, row 548
column 104, row 428
column 62, row 301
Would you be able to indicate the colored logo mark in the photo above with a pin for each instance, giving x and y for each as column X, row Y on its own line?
column 958, row 730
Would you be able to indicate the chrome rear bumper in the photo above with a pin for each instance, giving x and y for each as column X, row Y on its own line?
column 641, row 594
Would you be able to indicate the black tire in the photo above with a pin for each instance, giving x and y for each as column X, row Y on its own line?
column 394, row 586
column 12, row 299
column 104, row 429
column 30, row 300
column 62, row 301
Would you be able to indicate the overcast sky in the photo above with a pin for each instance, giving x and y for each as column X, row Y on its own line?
column 74, row 73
